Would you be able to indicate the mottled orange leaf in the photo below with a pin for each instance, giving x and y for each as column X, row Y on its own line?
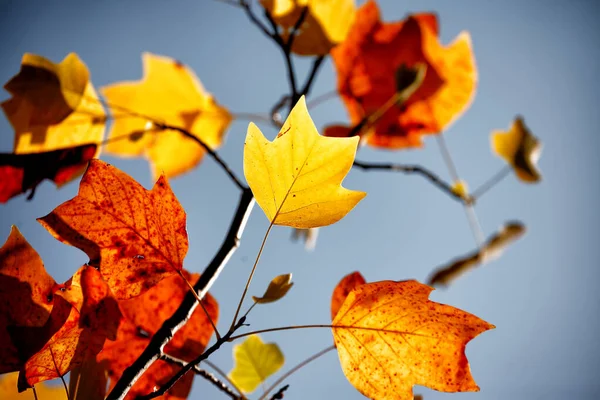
column 26, row 295
column 22, row 172
column 53, row 106
column 169, row 93
column 136, row 237
column 143, row 316
column 343, row 288
column 326, row 22
column 366, row 64
column 83, row 326
column 390, row 336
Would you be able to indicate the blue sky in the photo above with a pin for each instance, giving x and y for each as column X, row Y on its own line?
column 538, row 59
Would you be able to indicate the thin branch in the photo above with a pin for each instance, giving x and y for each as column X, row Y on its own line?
column 412, row 169
column 223, row 375
column 279, row 394
column 187, row 307
column 490, row 183
column 245, row 4
column 206, row 375
column 318, row 61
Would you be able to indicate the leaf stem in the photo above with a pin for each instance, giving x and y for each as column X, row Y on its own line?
column 490, row 183
column 296, row 368
column 260, row 250
column 212, row 323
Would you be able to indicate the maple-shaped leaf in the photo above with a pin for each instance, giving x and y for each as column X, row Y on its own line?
column 326, row 22
column 8, row 390
column 390, row 336
column 22, row 172
column 520, row 149
column 142, row 317
column 367, row 63
column 254, row 362
column 169, row 93
column 278, row 287
column 136, row 237
column 343, row 289
column 297, row 177
column 74, row 331
column 53, row 106
column 26, row 294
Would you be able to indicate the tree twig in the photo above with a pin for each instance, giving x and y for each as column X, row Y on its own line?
column 189, row 304
column 318, row 61
column 222, row 386
column 412, row 169
column 279, row 394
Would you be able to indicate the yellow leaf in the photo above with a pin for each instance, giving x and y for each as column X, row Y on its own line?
column 169, row 93
column 519, row 148
column 53, row 106
column 297, row 177
column 460, row 188
column 390, row 336
column 278, row 288
column 326, row 22
column 254, row 362
column 8, row 390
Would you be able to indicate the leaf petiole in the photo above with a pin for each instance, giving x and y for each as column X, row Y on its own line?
column 201, row 304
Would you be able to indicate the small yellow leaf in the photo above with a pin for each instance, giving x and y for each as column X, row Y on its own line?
column 326, row 22
column 278, row 288
column 297, row 177
column 169, row 93
column 8, row 390
column 519, row 148
column 254, row 362
column 460, row 188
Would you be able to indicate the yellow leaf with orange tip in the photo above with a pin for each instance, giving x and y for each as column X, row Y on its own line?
column 520, row 149
column 297, row 177
column 8, row 390
column 136, row 237
column 390, row 336
column 53, row 106
column 326, row 22
column 171, row 94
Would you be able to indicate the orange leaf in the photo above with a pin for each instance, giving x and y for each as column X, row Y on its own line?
column 22, row 172
column 343, row 288
column 390, row 336
column 26, row 294
column 169, row 93
column 366, row 64
column 136, row 237
column 143, row 316
column 73, row 332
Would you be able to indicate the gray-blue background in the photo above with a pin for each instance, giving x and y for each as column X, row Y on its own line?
column 536, row 58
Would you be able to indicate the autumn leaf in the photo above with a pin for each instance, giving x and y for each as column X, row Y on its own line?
column 367, row 63
column 308, row 236
column 135, row 236
column 88, row 381
column 142, row 317
column 169, row 93
column 278, row 287
column 53, row 106
column 520, row 149
column 74, row 331
column 26, row 295
column 389, row 337
column 326, row 23
column 8, row 390
column 22, row 172
column 343, row 289
column 254, row 362
column 297, row 177
column 490, row 250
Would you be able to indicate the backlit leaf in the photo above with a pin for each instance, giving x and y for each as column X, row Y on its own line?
column 254, row 362
column 142, row 317
column 343, row 289
column 520, row 149
column 88, row 381
column 389, row 337
column 135, row 236
column 53, row 106
column 22, row 172
column 297, row 177
column 277, row 288
column 169, row 93
column 326, row 22
column 367, row 63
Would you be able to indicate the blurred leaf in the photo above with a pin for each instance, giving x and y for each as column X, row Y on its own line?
column 308, row 236
column 88, row 381
column 8, row 390
column 278, row 288
column 254, row 362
